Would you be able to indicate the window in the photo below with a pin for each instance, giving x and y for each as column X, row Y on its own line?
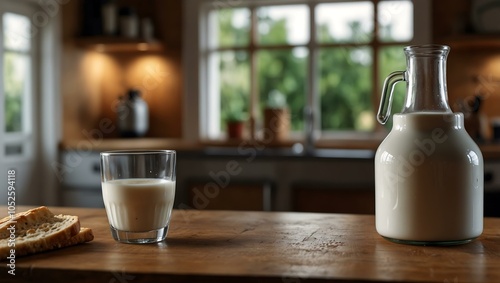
column 327, row 59
column 16, row 81
column 29, row 96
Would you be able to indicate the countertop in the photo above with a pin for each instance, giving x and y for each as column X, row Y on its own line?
column 231, row 148
column 230, row 246
column 324, row 149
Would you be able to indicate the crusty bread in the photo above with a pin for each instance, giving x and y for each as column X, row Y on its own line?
column 85, row 235
column 39, row 230
column 24, row 220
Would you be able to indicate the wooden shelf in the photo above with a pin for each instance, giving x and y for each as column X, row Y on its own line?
column 474, row 41
column 118, row 44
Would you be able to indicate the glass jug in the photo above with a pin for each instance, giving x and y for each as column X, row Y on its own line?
column 428, row 170
column 133, row 115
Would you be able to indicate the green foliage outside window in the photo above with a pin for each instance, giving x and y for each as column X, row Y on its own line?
column 345, row 76
column 235, row 86
column 13, row 90
column 393, row 59
column 345, row 88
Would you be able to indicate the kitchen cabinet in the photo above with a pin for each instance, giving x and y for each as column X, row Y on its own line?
column 127, row 26
column 492, row 188
column 217, row 180
column 80, row 179
column 278, row 181
column 331, row 181
column 97, row 69
column 249, row 195
column 334, row 200
column 473, row 55
column 473, row 42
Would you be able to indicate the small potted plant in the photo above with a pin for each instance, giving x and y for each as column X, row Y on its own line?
column 276, row 118
column 235, row 123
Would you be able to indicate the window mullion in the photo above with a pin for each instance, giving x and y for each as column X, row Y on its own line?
column 29, row 113
column 375, row 66
column 254, row 82
column 312, row 113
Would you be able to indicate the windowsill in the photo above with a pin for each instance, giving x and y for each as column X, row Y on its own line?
column 129, row 143
column 490, row 150
column 369, row 141
column 371, row 144
column 339, row 142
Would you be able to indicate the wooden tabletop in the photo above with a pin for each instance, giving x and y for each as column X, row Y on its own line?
column 230, row 246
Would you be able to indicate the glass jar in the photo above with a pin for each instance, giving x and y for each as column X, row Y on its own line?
column 133, row 115
column 428, row 170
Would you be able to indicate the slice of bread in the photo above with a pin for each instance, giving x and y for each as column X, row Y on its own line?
column 85, row 235
column 23, row 220
column 39, row 230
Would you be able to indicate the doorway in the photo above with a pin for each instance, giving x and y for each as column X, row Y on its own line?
column 28, row 80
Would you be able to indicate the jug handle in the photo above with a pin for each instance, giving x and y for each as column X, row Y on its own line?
column 384, row 111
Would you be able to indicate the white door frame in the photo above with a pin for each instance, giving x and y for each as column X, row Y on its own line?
column 36, row 182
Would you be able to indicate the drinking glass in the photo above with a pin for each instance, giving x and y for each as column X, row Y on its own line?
column 138, row 189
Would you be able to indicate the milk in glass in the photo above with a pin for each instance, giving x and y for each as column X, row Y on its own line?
column 139, row 204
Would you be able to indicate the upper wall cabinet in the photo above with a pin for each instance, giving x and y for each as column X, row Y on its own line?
column 474, row 41
column 467, row 25
column 117, row 26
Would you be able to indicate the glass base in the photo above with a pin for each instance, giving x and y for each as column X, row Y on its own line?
column 147, row 237
column 430, row 243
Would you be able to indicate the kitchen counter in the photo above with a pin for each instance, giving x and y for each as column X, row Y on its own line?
column 132, row 143
column 330, row 149
column 230, row 246
column 233, row 148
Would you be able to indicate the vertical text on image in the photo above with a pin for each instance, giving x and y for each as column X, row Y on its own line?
column 11, row 209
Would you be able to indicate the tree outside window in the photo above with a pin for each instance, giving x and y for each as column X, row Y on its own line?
column 349, row 58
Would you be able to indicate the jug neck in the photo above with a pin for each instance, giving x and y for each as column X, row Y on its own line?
column 426, row 78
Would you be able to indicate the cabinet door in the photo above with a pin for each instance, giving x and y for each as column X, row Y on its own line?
column 238, row 196
column 334, row 200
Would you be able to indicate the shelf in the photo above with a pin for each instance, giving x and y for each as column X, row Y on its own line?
column 118, row 44
column 474, row 41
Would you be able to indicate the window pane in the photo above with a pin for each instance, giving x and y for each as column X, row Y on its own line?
column 345, row 22
column 393, row 59
column 283, row 24
column 395, row 19
column 234, row 86
column 284, row 71
column 345, row 89
column 16, row 32
column 232, row 27
column 17, row 78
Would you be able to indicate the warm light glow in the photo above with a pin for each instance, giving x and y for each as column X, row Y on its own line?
column 100, row 48
column 148, row 74
column 142, row 46
column 100, row 78
column 95, row 67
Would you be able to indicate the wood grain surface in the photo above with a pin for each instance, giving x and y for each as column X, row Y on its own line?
column 230, row 246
